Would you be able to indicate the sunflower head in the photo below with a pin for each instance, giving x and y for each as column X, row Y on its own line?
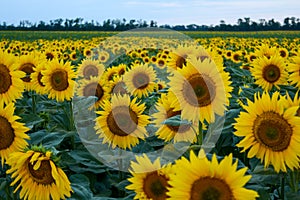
column 58, row 79
column 140, row 80
column 89, row 68
column 202, row 89
column 12, row 133
column 11, row 84
column 215, row 180
column 38, row 175
column 269, row 72
column 272, row 134
column 149, row 179
column 121, row 122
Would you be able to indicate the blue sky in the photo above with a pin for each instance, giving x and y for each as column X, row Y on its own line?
column 163, row 11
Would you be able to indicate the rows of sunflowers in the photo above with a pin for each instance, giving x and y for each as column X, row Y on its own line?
column 150, row 115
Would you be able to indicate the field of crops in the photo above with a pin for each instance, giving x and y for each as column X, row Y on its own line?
column 149, row 115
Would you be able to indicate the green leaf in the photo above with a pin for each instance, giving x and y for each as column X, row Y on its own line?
column 47, row 139
column 81, row 187
column 176, row 121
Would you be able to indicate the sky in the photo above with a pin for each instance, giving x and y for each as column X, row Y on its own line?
column 201, row 12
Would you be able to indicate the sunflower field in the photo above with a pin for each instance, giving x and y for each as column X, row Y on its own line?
column 149, row 114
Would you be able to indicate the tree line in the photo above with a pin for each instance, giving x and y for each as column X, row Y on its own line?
column 78, row 24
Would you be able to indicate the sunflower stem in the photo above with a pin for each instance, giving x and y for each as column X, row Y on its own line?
column 71, row 117
column 33, row 97
column 294, row 180
column 282, row 186
column 121, row 174
column 200, row 134
column 71, row 123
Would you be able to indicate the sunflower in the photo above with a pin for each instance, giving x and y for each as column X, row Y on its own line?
column 121, row 122
column 177, row 58
column 87, row 52
column 11, row 84
column 103, row 56
column 58, row 80
column 237, row 56
column 269, row 72
column 294, row 102
column 140, row 80
column 36, row 78
column 89, row 68
column 201, row 89
column 228, row 54
column 284, row 53
column 161, row 63
column 94, row 87
column 165, row 110
column 50, row 54
column 266, row 51
column 121, row 68
column 271, row 131
column 73, row 56
column 12, row 133
column 118, row 86
column 110, row 73
column 294, row 69
column 160, row 84
column 27, row 64
column 204, row 179
column 38, row 175
column 202, row 54
column 149, row 180
column 251, row 57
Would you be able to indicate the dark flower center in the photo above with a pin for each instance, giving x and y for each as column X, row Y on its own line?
column 209, row 188
column 43, row 174
column 28, row 69
column 7, row 134
column 141, row 80
column 59, row 80
column 199, row 91
column 122, row 121
column 155, row 186
column 271, row 73
column 5, row 79
column 273, row 131
column 90, row 70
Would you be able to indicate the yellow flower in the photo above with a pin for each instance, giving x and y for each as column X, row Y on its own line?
column 178, row 57
column 36, row 78
column 270, row 131
column 202, row 90
column 294, row 69
column 58, row 79
column 199, row 178
column 27, row 64
column 94, row 87
column 269, row 72
column 121, row 122
column 11, row 84
column 140, row 80
column 12, row 133
column 89, row 68
column 166, row 109
column 38, row 176
column 149, row 180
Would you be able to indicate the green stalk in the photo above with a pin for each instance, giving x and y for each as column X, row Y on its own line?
column 71, row 123
column 282, row 186
column 71, row 117
column 33, row 97
column 200, row 134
